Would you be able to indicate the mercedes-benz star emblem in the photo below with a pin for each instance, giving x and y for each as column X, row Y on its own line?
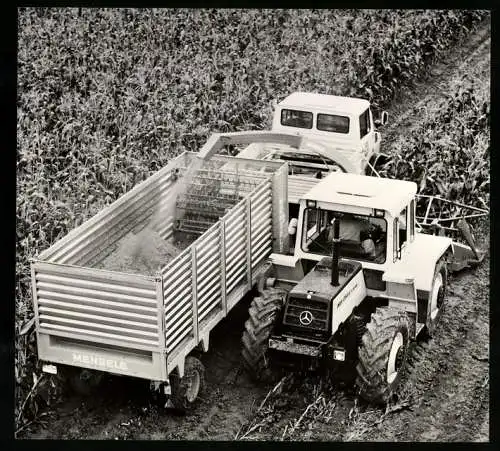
column 306, row 318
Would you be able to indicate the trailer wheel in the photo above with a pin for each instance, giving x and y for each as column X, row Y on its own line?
column 436, row 303
column 263, row 314
column 82, row 381
column 185, row 390
column 383, row 354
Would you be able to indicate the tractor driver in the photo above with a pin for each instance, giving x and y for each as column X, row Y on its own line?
column 353, row 228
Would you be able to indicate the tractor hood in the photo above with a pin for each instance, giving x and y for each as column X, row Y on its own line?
column 311, row 303
column 317, row 282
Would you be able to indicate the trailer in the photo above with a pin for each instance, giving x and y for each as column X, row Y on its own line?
column 147, row 325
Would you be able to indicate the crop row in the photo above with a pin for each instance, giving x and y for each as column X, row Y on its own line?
column 449, row 154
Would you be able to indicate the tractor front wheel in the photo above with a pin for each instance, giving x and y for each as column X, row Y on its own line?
column 263, row 314
column 383, row 354
column 436, row 303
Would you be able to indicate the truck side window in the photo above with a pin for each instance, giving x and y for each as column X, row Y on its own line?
column 332, row 123
column 296, row 118
column 364, row 123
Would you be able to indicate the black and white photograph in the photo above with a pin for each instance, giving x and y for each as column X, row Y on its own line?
column 243, row 224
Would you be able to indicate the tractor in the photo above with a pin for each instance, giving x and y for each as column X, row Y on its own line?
column 360, row 282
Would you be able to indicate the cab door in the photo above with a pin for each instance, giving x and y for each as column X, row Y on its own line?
column 401, row 235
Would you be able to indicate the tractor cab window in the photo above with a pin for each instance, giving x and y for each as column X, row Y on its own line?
column 412, row 220
column 296, row 118
column 400, row 232
column 362, row 237
column 402, row 226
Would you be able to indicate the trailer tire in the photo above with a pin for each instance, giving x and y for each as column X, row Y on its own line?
column 263, row 314
column 186, row 389
column 383, row 355
column 82, row 381
column 437, row 294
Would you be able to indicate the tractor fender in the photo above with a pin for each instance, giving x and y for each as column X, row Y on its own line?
column 423, row 257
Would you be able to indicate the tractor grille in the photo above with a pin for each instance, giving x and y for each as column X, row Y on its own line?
column 315, row 311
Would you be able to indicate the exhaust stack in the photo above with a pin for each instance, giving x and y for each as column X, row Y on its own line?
column 335, row 252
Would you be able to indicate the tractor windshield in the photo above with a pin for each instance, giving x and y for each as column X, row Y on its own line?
column 362, row 237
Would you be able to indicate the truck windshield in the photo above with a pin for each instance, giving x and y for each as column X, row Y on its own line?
column 362, row 237
column 333, row 123
column 297, row 118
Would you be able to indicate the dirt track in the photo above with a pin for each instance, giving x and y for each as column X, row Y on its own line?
column 445, row 399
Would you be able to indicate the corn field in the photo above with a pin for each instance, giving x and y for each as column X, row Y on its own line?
column 107, row 96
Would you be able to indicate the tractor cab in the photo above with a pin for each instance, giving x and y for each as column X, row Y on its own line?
column 376, row 220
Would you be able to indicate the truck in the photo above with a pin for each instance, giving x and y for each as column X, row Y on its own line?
column 232, row 214
column 340, row 134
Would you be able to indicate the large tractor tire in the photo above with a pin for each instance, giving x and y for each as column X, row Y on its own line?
column 263, row 314
column 383, row 354
column 186, row 389
column 436, row 303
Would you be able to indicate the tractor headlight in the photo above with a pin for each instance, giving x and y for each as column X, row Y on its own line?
column 338, row 355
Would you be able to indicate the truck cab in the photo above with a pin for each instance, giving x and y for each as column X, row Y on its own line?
column 345, row 125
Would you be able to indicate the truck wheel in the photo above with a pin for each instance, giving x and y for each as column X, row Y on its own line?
column 436, row 303
column 263, row 314
column 185, row 390
column 383, row 354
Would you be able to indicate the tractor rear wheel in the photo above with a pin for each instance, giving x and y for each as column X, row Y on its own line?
column 185, row 390
column 436, row 303
column 263, row 314
column 383, row 354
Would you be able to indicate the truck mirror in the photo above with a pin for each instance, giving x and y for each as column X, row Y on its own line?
column 384, row 117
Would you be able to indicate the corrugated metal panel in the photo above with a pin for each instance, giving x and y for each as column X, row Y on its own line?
column 208, row 275
column 97, row 241
column 261, row 223
column 91, row 303
column 298, row 186
column 177, row 292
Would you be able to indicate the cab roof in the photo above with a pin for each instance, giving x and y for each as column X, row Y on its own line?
column 326, row 102
column 363, row 191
